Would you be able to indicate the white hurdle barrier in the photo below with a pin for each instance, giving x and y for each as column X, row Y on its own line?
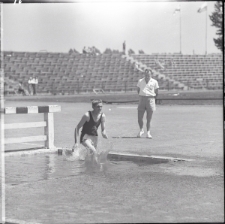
column 48, row 124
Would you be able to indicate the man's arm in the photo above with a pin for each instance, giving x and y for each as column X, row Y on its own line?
column 104, row 135
column 76, row 131
column 138, row 89
column 156, row 89
column 156, row 92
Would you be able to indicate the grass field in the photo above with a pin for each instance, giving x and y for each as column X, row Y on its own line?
column 177, row 192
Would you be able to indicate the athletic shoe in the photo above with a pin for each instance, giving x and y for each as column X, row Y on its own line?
column 148, row 135
column 140, row 133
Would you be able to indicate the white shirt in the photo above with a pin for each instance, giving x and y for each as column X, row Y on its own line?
column 147, row 89
column 33, row 81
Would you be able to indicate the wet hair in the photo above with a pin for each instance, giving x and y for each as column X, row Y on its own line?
column 95, row 102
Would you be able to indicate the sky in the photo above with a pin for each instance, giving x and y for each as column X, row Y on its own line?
column 148, row 26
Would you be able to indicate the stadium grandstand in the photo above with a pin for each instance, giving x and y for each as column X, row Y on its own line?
column 65, row 73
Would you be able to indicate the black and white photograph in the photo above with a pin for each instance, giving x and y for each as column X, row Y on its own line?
column 112, row 111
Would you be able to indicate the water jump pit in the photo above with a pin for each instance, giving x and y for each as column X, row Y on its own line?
column 136, row 158
column 110, row 156
column 49, row 163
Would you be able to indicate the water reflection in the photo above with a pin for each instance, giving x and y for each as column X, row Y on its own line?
column 50, row 166
column 86, row 163
column 39, row 167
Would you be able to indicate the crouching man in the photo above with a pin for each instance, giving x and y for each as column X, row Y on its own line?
column 90, row 122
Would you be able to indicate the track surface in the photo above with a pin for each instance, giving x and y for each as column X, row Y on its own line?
column 168, row 192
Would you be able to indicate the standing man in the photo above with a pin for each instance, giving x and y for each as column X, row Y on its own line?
column 30, row 85
column 147, row 89
column 21, row 89
column 35, row 85
column 90, row 123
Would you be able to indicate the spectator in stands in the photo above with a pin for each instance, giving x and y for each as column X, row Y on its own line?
column 33, row 86
column 147, row 89
column 89, row 124
column 35, row 82
column 21, row 89
column 30, row 81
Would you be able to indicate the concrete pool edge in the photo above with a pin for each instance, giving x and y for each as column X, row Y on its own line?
column 30, row 151
column 129, row 156
column 18, row 221
column 112, row 155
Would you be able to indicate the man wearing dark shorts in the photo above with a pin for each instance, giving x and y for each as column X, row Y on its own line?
column 89, row 123
column 147, row 89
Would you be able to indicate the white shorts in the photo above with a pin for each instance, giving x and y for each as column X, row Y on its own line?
column 146, row 103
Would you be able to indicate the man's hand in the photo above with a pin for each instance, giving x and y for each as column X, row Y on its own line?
column 104, row 135
column 75, row 146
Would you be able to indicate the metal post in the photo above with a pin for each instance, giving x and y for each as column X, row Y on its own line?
column 49, row 130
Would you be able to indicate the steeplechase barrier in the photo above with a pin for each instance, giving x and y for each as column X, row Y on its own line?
column 48, row 124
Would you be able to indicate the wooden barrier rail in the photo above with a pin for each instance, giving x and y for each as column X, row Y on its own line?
column 48, row 124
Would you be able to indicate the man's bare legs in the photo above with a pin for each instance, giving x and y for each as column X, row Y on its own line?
column 140, row 122
column 149, row 118
column 88, row 144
